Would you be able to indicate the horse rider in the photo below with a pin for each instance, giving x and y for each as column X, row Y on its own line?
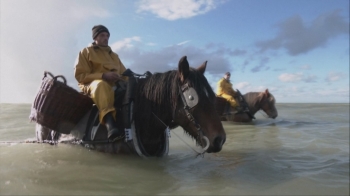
column 225, row 90
column 97, row 70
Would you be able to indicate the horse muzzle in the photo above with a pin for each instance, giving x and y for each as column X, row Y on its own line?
column 274, row 115
column 217, row 144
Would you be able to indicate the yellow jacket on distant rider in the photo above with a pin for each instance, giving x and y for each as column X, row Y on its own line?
column 225, row 90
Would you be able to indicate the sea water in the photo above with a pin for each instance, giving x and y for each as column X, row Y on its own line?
column 304, row 151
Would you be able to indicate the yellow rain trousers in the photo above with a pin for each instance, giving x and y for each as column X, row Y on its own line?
column 92, row 62
column 224, row 89
column 101, row 92
column 230, row 99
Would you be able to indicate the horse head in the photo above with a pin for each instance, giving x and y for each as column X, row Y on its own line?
column 181, row 97
column 195, row 111
column 266, row 101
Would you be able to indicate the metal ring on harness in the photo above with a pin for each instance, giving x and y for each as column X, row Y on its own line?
column 207, row 143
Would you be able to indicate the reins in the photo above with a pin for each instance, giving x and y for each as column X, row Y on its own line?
column 167, row 127
column 193, row 99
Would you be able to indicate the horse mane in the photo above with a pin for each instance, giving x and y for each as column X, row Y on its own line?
column 160, row 94
column 161, row 89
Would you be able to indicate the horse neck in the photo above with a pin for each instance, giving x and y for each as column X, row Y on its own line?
column 156, row 102
column 251, row 98
column 155, row 105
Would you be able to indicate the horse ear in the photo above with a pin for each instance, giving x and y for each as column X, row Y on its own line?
column 184, row 68
column 202, row 68
column 267, row 93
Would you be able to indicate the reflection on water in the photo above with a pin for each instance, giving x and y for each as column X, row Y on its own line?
column 291, row 155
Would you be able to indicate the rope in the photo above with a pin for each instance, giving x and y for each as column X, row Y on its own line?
column 198, row 153
column 263, row 114
column 41, row 142
column 160, row 120
column 27, row 142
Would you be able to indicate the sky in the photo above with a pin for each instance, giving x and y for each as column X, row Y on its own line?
column 297, row 49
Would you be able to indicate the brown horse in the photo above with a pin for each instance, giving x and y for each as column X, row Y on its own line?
column 255, row 100
column 161, row 102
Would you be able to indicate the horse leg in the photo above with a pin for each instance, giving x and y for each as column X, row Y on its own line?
column 43, row 134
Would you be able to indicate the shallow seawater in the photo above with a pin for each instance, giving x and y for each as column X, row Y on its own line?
column 304, row 151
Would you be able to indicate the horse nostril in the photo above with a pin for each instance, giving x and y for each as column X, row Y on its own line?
column 219, row 141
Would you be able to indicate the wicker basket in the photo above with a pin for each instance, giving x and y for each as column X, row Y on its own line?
column 58, row 106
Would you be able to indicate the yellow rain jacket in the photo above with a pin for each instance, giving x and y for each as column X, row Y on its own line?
column 225, row 90
column 92, row 62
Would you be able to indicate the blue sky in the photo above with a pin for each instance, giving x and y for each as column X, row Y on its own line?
column 298, row 49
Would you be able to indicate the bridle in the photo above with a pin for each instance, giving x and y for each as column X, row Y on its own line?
column 190, row 99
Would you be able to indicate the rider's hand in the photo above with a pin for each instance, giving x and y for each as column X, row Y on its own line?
column 111, row 77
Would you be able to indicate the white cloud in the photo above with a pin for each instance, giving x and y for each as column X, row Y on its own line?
column 126, row 43
column 151, row 44
column 38, row 36
column 166, row 58
column 177, row 9
column 256, row 89
column 294, row 89
column 341, row 92
column 287, row 77
column 245, row 87
column 242, row 85
column 184, row 42
column 305, row 67
column 93, row 11
column 334, row 76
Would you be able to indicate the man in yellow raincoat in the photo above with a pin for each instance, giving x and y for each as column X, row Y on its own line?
column 97, row 70
column 225, row 90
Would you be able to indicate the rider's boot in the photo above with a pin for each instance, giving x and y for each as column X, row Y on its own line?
column 113, row 132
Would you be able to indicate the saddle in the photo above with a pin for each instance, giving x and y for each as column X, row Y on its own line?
column 124, row 95
column 244, row 108
column 243, row 105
